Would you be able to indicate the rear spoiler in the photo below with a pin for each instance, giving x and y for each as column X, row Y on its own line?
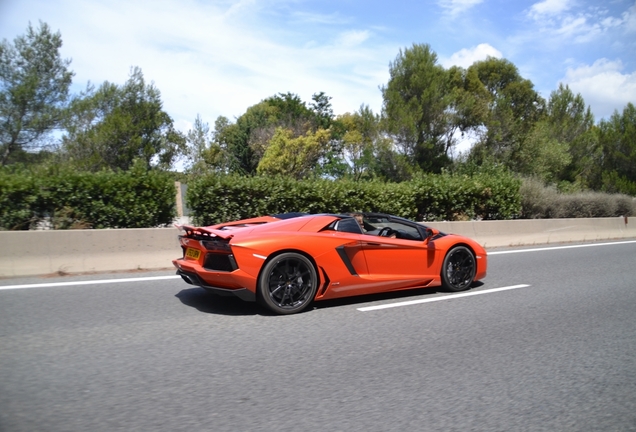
column 205, row 232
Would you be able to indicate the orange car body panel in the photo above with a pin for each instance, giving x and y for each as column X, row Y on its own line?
column 347, row 263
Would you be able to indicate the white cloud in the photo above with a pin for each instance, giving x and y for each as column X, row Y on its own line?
column 219, row 58
column 578, row 28
column 467, row 56
column 455, row 7
column 629, row 18
column 353, row 38
column 556, row 18
column 305, row 17
column 603, row 85
column 548, row 8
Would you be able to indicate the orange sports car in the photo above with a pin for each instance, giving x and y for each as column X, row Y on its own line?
column 287, row 261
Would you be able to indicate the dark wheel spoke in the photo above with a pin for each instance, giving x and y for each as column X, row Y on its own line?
column 282, row 300
column 276, row 289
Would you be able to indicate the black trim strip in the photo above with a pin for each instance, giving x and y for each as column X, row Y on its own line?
column 345, row 259
column 194, row 279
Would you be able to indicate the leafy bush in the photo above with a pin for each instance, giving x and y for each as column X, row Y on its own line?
column 19, row 200
column 467, row 197
column 542, row 202
column 67, row 199
column 216, row 198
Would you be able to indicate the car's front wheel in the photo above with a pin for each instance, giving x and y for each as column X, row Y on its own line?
column 288, row 283
column 458, row 270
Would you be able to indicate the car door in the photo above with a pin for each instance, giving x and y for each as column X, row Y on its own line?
column 405, row 259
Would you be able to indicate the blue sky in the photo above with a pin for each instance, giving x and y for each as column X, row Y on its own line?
column 218, row 57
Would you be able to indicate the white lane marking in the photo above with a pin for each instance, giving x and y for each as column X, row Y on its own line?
column 559, row 247
column 435, row 299
column 88, row 282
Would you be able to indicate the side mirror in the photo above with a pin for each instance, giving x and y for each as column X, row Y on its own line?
column 431, row 232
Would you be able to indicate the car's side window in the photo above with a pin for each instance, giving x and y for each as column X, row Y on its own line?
column 395, row 229
column 408, row 232
column 349, row 225
column 376, row 226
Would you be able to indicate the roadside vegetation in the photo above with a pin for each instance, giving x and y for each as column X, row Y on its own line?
column 106, row 157
column 539, row 201
column 61, row 198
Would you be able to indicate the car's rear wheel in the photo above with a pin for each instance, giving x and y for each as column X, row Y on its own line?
column 458, row 270
column 288, row 283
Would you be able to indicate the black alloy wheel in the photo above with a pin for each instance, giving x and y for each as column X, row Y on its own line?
column 288, row 283
column 458, row 270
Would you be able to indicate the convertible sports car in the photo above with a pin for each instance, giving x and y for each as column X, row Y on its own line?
column 287, row 261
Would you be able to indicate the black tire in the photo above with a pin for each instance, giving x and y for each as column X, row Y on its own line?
column 288, row 283
column 458, row 269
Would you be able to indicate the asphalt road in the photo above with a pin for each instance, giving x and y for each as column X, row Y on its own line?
column 158, row 355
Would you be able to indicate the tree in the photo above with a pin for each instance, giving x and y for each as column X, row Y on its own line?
column 417, row 102
column 568, row 115
column 513, row 109
column 470, row 102
column 202, row 152
column 34, row 83
column 247, row 140
column 543, row 155
column 197, row 141
column 113, row 126
column 617, row 138
column 295, row 157
column 571, row 123
column 359, row 134
column 389, row 164
column 321, row 106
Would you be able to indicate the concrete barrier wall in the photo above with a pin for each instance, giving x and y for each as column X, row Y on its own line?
column 27, row 253
column 24, row 253
column 540, row 231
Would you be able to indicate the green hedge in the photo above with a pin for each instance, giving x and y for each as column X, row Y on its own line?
column 68, row 199
column 217, row 198
column 19, row 200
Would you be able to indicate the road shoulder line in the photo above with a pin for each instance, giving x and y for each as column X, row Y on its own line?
column 441, row 298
